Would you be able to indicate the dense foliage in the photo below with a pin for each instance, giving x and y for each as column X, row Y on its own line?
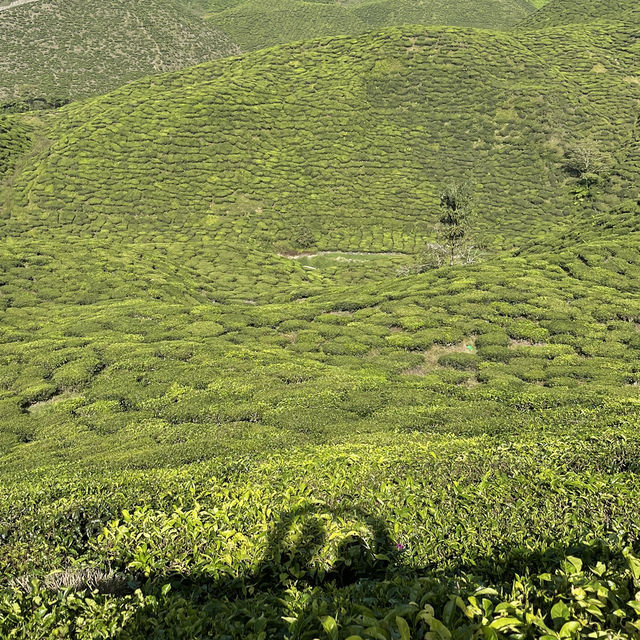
column 14, row 140
column 254, row 24
column 351, row 138
column 53, row 50
column 562, row 12
column 233, row 406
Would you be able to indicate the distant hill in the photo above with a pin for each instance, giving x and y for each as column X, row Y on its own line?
column 254, row 24
column 562, row 12
column 76, row 48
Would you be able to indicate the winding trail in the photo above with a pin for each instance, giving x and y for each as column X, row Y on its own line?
column 16, row 3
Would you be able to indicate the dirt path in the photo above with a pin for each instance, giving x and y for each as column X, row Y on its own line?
column 298, row 256
column 16, row 3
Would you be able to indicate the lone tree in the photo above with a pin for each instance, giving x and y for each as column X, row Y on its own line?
column 586, row 162
column 456, row 215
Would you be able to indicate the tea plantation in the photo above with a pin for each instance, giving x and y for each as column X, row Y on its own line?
column 53, row 51
column 562, row 12
column 234, row 401
column 254, row 24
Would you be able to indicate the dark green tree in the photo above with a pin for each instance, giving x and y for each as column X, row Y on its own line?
column 456, row 214
column 304, row 238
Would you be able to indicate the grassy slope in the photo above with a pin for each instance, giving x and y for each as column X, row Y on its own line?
column 77, row 48
column 254, row 24
column 248, row 460
column 312, row 432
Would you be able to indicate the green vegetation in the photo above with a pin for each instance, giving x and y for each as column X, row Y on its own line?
column 563, row 12
column 351, row 138
column 387, row 540
column 456, row 217
column 73, row 48
column 57, row 50
column 254, row 24
column 14, row 140
column 231, row 406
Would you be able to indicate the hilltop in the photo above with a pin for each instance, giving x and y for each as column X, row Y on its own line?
column 254, row 24
column 62, row 49
column 54, row 51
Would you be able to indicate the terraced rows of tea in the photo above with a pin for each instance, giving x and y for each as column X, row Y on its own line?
column 349, row 139
column 508, row 394
column 14, row 140
column 563, row 12
column 255, row 25
column 237, row 400
column 449, row 351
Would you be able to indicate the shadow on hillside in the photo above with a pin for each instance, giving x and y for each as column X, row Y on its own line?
column 247, row 602
column 258, row 604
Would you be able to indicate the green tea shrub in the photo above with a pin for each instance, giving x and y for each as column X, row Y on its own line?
column 77, row 373
column 202, row 438
column 528, row 369
column 38, row 393
column 344, row 346
column 465, row 361
column 492, row 339
column 527, row 330
column 548, row 352
column 565, row 326
column 413, row 341
column 495, row 353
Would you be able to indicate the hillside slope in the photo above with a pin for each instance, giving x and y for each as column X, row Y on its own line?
column 350, row 138
column 254, row 24
column 14, row 141
column 563, row 12
column 184, row 193
column 75, row 48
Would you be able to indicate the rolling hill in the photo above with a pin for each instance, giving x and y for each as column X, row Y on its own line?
column 348, row 137
column 52, row 51
column 564, row 12
column 235, row 405
column 254, row 24
column 72, row 48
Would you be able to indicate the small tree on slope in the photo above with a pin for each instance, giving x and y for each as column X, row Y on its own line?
column 456, row 214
